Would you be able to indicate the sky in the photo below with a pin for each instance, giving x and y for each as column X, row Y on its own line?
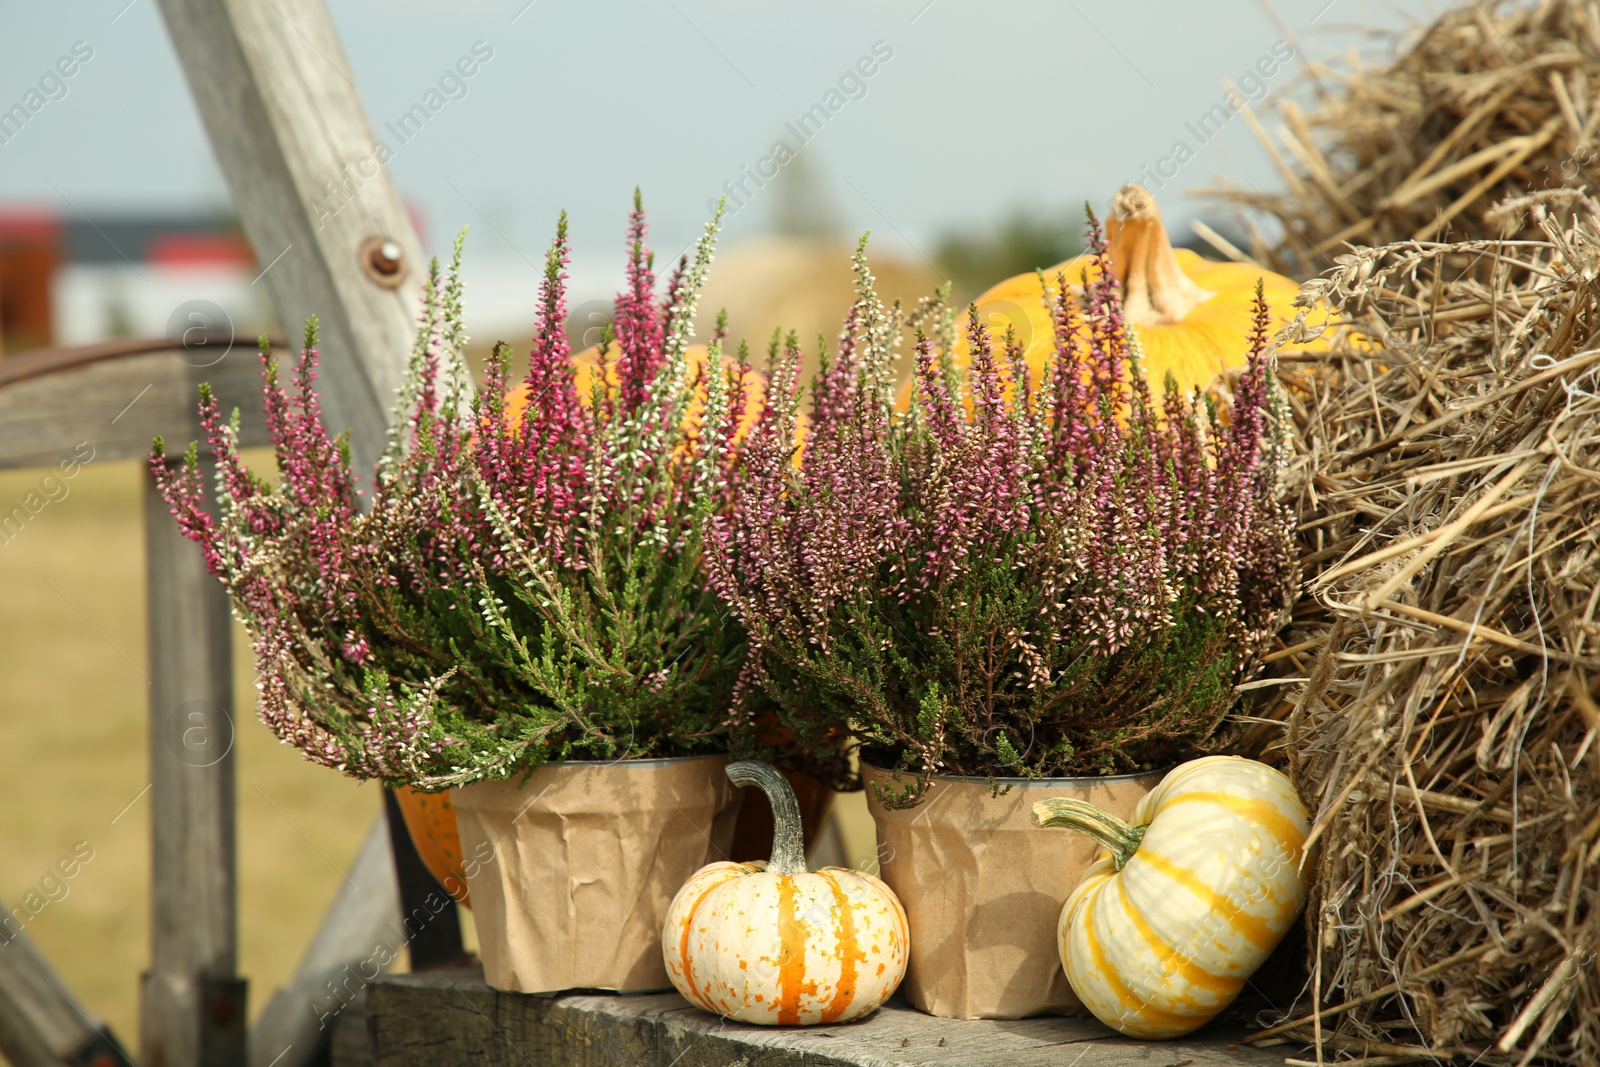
column 970, row 110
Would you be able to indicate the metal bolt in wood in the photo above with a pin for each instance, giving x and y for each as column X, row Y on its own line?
column 384, row 261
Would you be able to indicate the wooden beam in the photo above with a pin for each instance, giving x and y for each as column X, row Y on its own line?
column 286, row 123
column 333, row 239
column 360, row 930
column 115, row 398
column 192, row 1007
column 41, row 1025
column 452, row 1017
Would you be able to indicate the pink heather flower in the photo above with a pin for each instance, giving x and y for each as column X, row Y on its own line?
column 525, row 585
column 639, row 322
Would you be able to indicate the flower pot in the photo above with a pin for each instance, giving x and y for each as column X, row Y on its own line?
column 983, row 889
column 579, row 862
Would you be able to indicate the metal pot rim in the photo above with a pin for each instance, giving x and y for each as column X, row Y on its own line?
column 1079, row 781
column 652, row 761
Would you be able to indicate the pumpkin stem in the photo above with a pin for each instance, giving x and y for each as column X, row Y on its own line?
column 1110, row 832
column 788, row 846
column 1155, row 291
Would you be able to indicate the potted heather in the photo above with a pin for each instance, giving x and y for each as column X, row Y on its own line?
column 518, row 615
column 1022, row 585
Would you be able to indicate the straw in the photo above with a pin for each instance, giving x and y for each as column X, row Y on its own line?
column 1447, row 482
column 1492, row 100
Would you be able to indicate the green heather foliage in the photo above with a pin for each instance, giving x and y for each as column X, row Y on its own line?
column 526, row 585
column 1014, row 577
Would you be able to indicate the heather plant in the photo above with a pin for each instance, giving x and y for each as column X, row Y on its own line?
column 1014, row 577
column 525, row 585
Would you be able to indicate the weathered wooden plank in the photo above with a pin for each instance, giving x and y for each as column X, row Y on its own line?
column 440, row 1018
column 41, row 1025
column 351, row 1046
column 360, row 932
column 191, row 1006
column 285, row 120
column 115, row 398
column 307, row 178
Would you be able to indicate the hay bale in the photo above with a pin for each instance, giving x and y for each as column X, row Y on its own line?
column 1491, row 100
column 1445, row 727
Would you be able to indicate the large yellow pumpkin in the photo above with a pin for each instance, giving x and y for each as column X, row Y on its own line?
column 587, row 362
column 773, row 943
column 1163, row 931
column 1191, row 316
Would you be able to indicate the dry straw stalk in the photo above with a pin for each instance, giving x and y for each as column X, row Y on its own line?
column 1447, row 481
column 1492, row 100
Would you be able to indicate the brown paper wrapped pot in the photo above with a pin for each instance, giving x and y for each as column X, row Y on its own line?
column 983, row 889
column 586, row 856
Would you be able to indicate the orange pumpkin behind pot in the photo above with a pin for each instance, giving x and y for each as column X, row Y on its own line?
column 431, row 820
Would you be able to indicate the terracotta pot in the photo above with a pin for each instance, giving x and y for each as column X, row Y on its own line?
column 573, row 868
column 430, row 819
column 983, row 889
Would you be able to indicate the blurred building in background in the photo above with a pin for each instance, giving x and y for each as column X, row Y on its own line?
column 30, row 253
column 68, row 279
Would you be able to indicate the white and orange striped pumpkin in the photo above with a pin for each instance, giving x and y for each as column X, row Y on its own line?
column 1164, row 929
column 773, row 943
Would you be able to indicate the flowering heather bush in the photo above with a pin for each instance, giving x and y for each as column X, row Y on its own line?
column 1014, row 577
column 526, row 584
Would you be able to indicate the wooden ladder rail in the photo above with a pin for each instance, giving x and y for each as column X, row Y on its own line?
column 284, row 117
column 41, row 1024
column 112, row 399
column 286, row 122
column 103, row 403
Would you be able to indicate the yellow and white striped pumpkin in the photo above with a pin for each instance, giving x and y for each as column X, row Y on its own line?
column 1164, row 929
column 775, row 944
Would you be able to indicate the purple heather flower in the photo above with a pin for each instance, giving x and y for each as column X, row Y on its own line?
column 1007, row 529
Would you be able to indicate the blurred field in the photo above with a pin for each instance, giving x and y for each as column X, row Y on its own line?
column 72, row 757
